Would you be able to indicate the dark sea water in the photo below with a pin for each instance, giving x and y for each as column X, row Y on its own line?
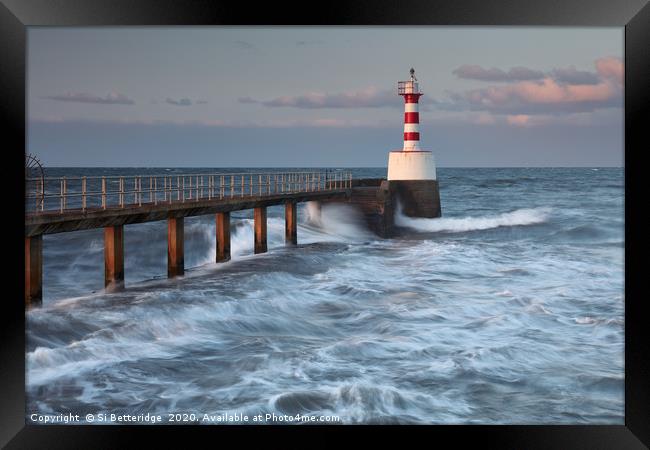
column 509, row 309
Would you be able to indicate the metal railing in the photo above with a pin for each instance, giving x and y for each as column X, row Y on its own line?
column 63, row 194
column 408, row 87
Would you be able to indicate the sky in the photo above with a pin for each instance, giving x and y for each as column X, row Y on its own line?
column 323, row 96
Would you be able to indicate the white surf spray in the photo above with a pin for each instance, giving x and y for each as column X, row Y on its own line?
column 324, row 223
column 519, row 217
column 332, row 222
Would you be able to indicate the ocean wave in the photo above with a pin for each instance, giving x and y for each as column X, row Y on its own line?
column 588, row 320
column 333, row 222
column 580, row 232
column 405, row 330
column 506, row 182
column 519, row 217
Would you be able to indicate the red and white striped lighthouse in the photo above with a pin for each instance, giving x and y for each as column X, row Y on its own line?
column 410, row 90
column 411, row 163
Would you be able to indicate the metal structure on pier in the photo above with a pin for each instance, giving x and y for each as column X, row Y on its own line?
column 74, row 194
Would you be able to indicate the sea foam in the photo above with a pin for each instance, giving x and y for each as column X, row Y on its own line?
column 519, row 217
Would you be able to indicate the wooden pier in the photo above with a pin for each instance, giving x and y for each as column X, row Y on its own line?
column 56, row 205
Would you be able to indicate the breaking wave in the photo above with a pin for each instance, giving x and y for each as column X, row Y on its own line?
column 519, row 217
column 434, row 328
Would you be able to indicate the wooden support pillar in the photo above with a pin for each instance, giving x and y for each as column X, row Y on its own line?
column 260, row 229
column 223, row 237
column 114, row 258
column 175, row 255
column 290, row 224
column 33, row 271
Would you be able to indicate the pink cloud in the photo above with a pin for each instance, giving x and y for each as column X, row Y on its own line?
column 560, row 91
column 550, row 91
column 610, row 68
column 547, row 95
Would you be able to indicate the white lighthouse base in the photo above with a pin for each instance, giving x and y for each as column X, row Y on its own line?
column 411, row 165
column 412, row 183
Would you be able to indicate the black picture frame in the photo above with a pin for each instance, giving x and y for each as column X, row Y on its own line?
column 634, row 15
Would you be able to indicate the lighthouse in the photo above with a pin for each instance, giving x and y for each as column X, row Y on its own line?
column 411, row 170
column 411, row 187
column 410, row 90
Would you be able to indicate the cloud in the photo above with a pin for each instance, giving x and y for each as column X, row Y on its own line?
column 370, row 97
column 526, row 92
column 366, row 98
column 547, row 95
column 247, row 100
column 439, row 118
column 562, row 91
column 474, row 72
column 600, row 118
column 610, row 68
column 520, row 120
column 180, row 102
column 113, row 98
column 319, row 122
column 571, row 75
column 482, row 119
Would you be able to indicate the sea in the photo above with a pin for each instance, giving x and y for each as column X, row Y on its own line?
column 509, row 309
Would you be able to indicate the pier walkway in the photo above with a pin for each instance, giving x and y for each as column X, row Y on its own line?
column 64, row 204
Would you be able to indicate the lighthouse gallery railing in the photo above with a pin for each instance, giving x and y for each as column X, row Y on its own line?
column 61, row 194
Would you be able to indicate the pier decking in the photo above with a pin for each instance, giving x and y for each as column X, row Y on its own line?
column 55, row 205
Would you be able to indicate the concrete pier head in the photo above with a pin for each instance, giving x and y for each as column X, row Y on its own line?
column 416, row 198
column 378, row 200
column 412, row 183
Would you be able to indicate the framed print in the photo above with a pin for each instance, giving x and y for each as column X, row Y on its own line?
column 415, row 217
